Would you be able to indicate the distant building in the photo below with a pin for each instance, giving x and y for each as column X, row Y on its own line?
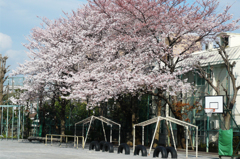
column 12, row 84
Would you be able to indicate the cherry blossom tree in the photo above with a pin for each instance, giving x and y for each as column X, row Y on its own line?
column 113, row 47
column 133, row 37
column 44, row 71
column 137, row 34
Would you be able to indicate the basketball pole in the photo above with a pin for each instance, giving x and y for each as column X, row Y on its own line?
column 207, row 142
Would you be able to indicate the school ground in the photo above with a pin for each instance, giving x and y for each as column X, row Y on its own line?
column 23, row 149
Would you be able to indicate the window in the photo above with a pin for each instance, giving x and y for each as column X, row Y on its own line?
column 209, row 73
column 199, row 80
column 225, row 41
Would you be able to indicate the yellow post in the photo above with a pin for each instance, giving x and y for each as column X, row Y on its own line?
column 83, row 142
column 77, row 142
column 66, row 140
column 51, row 140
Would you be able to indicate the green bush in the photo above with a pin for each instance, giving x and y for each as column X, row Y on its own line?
column 9, row 137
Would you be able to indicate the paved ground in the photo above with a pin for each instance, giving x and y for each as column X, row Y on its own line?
column 36, row 150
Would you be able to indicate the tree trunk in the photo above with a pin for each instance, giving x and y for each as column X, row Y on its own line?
column 168, row 134
column 133, row 121
column 126, row 128
column 181, row 141
column 56, row 124
column 62, row 127
column 134, row 101
column 63, row 105
column 62, row 116
column 156, row 138
column 100, row 110
column 227, row 120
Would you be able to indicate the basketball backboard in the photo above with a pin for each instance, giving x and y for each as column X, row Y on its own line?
column 215, row 102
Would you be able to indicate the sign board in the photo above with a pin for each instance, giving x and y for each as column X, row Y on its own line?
column 215, row 102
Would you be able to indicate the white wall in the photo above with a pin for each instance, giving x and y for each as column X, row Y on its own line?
column 234, row 40
column 236, row 108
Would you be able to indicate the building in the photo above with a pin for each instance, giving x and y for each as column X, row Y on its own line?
column 12, row 84
column 216, row 71
column 211, row 61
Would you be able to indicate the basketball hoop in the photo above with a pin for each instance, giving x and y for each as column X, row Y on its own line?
column 209, row 111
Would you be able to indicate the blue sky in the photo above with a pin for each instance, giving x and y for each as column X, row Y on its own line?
column 18, row 17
